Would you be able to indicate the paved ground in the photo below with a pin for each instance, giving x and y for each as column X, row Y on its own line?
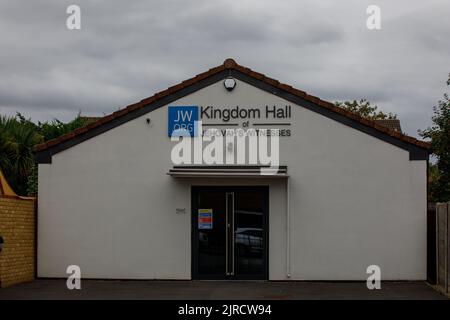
column 202, row 290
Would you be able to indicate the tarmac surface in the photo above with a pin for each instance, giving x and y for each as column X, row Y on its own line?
column 219, row 290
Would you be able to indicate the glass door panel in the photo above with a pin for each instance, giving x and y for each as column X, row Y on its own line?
column 229, row 232
column 211, row 237
column 249, row 233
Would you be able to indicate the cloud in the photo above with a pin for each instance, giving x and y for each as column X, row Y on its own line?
column 126, row 51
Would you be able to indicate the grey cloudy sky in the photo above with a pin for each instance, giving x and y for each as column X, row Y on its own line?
column 128, row 50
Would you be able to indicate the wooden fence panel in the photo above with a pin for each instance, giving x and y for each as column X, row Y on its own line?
column 443, row 248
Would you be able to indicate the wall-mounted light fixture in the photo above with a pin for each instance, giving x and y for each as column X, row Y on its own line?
column 229, row 83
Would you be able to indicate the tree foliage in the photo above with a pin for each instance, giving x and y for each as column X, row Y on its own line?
column 364, row 109
column 439, row 135
column 18, row 136
column 55, row 128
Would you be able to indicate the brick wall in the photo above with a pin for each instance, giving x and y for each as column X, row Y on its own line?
column 17, row 227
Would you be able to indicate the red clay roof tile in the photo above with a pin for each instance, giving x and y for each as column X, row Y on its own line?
column 231, row 64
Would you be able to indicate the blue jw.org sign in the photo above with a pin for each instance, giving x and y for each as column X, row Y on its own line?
column 183, row 121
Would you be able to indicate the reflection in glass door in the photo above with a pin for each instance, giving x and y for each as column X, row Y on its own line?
column 229, row 238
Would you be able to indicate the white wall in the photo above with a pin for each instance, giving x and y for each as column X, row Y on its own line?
column 108, row 205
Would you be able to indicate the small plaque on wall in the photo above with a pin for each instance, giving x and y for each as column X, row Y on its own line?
column 181, row 210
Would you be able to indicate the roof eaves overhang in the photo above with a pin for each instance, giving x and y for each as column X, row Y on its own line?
column 418, row 150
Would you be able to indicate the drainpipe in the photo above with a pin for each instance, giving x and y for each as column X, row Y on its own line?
column 288, row 228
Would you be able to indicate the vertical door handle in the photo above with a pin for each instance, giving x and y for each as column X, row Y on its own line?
column 233, row 240
column 227, row 226
column 229, row 240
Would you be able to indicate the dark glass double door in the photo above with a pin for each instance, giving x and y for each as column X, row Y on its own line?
column 230, row 236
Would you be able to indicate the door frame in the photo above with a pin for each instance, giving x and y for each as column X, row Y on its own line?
column 264, row 189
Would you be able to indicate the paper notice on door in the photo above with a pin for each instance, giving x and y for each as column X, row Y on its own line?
column 205, row 219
